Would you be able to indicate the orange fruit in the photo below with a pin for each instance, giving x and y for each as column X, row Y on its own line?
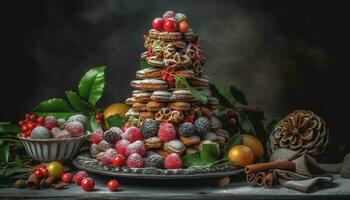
column 254, row 144
column 241, row 155
column 116, row 109
column 183, row 26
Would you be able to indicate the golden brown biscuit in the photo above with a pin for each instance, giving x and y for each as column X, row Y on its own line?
column 181, row 106
column 130, row 101
column 149, row 84
column 154, row 106
column 190, row 141
column 148, row 73
column 153, row 143
column 146, row 115
column 142, row 97
column 170, row 36
column 182, row 95
column 139, row 107
column 186, row 73
column 163, row 153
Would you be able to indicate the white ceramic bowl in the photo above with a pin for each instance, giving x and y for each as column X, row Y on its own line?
column 46, row 150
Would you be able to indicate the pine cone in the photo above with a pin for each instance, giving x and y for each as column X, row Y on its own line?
column 301, row 131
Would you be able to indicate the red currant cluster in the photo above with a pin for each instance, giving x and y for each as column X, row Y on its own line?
column 167, row 75
column 231, row 113
column 190, row 117
column 41, row 172
column 99, row 118
column 171, row 22
column 31, row 121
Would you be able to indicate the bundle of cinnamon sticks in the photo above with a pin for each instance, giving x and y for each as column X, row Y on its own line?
column 261, row 174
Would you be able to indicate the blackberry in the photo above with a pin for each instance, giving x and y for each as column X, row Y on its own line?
column 111, row 136
column 149, row 128
column 201, row 126
column 154, row 161
column 186, row 129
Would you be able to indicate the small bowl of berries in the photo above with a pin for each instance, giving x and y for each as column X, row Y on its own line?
column 48, row 139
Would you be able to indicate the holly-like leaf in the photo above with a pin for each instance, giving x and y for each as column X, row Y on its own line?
column 233, row 141
column 114, row 121
column 91, row 85
column 237, row 93
column 194, row 159
column 93, row 126
column 6, row 127
column 5, row 153
column 54, row 105
column 222, row 100
column 245, row 123
column 144, row 64
column 79, row 104
column 181, row 82
column 210, row 152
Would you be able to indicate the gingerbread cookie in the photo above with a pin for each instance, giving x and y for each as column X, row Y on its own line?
column 148, row 73
column 139, row 107
column 181, row 106
column 186, row 73
column 142, row 97
column 153, row 143
column 161, row 96
column 154, row 106
column 182, row 95
column 170, row 36
column 149, row 84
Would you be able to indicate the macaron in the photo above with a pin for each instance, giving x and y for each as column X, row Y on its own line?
column 146, row 115
column 161, row 96
column 130, row 101
column 154, row 106
column 181, row 106
column 149, row 73
column 199, row 82
column 223, row 133
column 149, row 84
column 132, row 113
column 210, row 136
column 186, row 73
column 142, row 97
column 182, row 95
column 190, row 141
column 139, row 107
column 174, row 146
column 215, row 124
column 213, row 102
column 153, row 143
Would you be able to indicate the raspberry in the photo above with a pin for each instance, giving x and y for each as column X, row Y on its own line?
column 62, row 134
column 111, row 136
column 136, row 147
column 50, row 122
column 121, row 145
column 132, row 134
column 78, row 118
column 96, row 137
column 154, row 161
column 173, row 161
column 149, row 128
column 135, row 161
column 108, row 156
column 186, row 129
column 76, row 129
column 40, row 132
column 79, row 176
column 166, row 132
column 201, row 126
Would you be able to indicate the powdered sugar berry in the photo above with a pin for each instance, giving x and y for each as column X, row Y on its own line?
column 121, row 145
column 136, row 147
column 135, row 161
column 166, row 132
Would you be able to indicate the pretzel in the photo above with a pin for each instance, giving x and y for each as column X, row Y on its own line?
column 197, row 68
column 176, row 116
column 169, row 50
column 155, row 61
column 163, row 114
column 189, row 51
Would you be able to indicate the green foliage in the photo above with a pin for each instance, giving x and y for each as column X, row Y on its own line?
column 144, row 64
column 210, row 152
column 182, row 82
column 77, row 103
column 114, row 121
column 194, row 159
column 91, row 85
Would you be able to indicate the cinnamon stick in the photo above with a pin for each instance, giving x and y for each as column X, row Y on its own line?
column 285, row 165
column 250, row 177
column 260, row 178
column 268, row 179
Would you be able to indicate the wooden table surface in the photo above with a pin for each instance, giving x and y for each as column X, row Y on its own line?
column 191, row 190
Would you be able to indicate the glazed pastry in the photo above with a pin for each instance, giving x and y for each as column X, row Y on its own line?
column 139, row 107
column 181, row 106
column 170, row 36
column 148, row 73
column 186, row 73
column 149, row 84
column 130, row 101
column 136, row 92
column 223, row 133
column 190, row 141
column 182, row 95
column 154, row 106
column 132, row 113
column 161, row 96
column 146, row 115
column 142, row 97
column 163, row 153
column 153, row 143
column 199, row 82
column 174, row 146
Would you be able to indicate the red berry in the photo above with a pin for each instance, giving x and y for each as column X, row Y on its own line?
column 158, row 24
column 98, row 121
column 27, row 116
column 79, row 176
column 168, row 14
column 124, row 128
column 121, row 145
column 230, row 113
column 172, row 161
column 96, row 137
column 113, row 185
column 135, row 161
column 44, row 171
column 50, row 122
column 170, row 25
column 38, row 173
column 33, row 117
column 97, row 116
column 20, row 123
column 119, row 160
column 40, row 119
column 88, row 184
column 136, row 147
column 101, row 115
column 66, row 177
column 233, row 121
column 166, row 132
column 31, row 125
column 25, row 128
column 132, row 134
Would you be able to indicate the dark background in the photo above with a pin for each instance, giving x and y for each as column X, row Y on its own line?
column 283, row 54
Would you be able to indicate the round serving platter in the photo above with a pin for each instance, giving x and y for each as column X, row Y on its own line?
column 87, row 163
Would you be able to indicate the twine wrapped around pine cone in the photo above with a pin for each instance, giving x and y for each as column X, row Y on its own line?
column 301, row 131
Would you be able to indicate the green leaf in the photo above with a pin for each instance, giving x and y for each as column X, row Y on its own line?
column 245, row 123
column 233, row 141
column 114, row 121
column 6, row 127
column 181, row 81
column 93, row 126
column 18, row 161
column 210, row 152
column 91, row 85
column 144, row 64
column 237, row 93
column 194, row 159
column 11, row 171
column 54, row 105
column 5, row 152
column 227, row 95
column 77, row 103
column 215, row 92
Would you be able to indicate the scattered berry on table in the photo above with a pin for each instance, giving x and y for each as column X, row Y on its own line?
column 113, row 185
column 201, row 126
column 172, row 161
column 149, row 128
column 166, row 132
column 135, row 161
column 79, row 176
column 186, row 129
column 88, row 184
column 66, row 177
column 136, row 147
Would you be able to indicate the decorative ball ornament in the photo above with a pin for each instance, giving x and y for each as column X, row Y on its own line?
column 170, row 25
column 301, row 131
column 157, row 24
